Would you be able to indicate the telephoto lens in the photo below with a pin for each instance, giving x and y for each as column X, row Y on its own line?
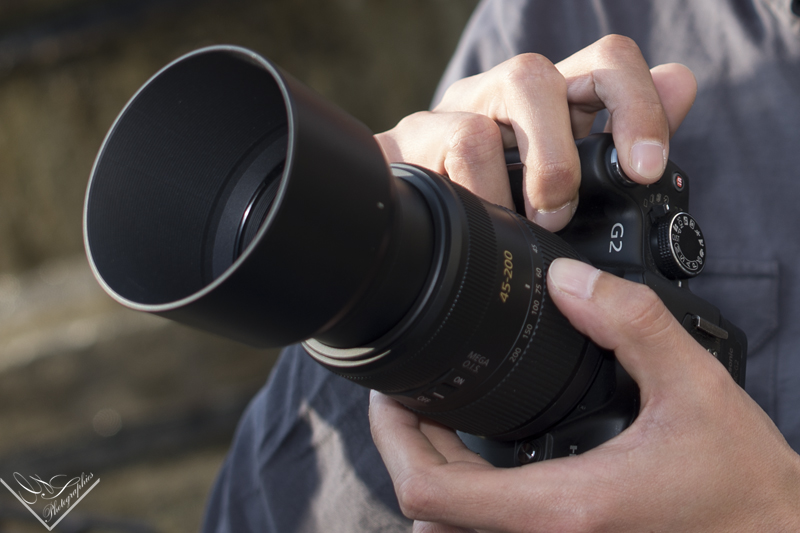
column 230, row 197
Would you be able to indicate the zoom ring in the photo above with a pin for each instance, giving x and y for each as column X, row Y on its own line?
column 546, row 367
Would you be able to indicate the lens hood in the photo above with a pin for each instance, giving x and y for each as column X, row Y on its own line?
column 215, row 137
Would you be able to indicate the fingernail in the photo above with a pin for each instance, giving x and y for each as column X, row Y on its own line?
column 557, row 218
column 648, row 159
column 574, row 278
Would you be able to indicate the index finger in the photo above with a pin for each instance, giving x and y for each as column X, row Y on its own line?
column 425, row 442
column 528, row 96
column 472, row 494
column 644, row 106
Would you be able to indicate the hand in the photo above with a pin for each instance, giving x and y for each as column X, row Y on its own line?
column 540, row 107
column 701, row 456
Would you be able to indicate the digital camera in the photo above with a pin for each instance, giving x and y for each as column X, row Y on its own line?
column 230, row 197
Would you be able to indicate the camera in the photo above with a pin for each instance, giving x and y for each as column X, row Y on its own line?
column 230, row 197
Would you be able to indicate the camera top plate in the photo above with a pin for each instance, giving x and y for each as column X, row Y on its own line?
column 616, row 224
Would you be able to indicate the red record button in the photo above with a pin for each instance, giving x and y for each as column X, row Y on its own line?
column 678, row 182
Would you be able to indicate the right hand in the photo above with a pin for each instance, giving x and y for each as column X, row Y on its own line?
column 701, row 455
column 542, row 108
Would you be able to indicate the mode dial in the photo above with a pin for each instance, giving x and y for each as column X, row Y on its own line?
column 678, row 246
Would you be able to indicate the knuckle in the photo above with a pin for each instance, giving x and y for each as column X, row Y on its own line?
column 474, row 138
column 523, row 68
column 619, row 45
column 415, row 496
column 453, row 95
column 647, row 314
column 557, row 171
column 411, row 122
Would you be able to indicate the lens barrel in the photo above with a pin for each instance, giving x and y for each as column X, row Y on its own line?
column 484, row 350
column 229, row 197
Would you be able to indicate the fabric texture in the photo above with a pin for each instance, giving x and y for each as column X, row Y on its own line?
column 303, row 459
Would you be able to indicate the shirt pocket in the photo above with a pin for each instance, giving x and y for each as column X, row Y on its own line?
column 746, row 293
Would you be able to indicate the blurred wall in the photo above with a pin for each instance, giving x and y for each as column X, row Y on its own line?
column 146, row 405
column 66, row 69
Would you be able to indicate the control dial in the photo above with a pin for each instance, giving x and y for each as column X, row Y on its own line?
column 678, row 246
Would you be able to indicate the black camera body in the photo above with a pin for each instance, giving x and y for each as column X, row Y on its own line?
column 645, row 234
column 229, row 197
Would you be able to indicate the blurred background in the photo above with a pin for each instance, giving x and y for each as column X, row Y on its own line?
column 144, row 405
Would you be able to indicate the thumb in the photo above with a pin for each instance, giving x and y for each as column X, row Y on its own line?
column 628, row 318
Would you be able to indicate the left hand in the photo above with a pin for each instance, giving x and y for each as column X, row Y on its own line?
column 701, row 456
column 541, row 108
